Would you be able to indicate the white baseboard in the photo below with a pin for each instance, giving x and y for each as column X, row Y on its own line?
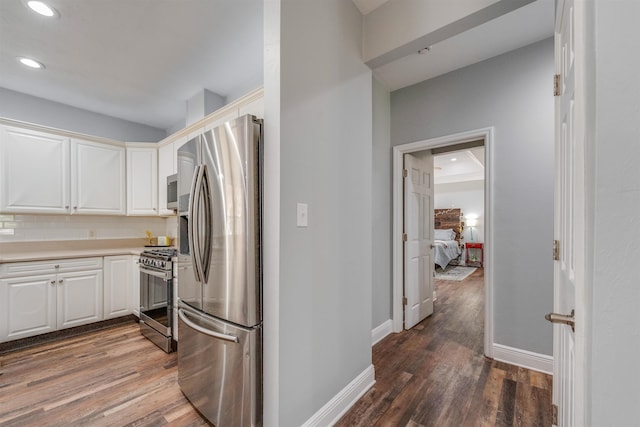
column 524, row 358
column 381, row 331
column 330, row 413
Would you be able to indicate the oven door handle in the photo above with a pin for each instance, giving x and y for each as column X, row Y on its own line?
column 161, row 275
column 183, row 316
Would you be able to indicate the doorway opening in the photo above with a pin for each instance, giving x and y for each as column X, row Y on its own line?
column 461, row 141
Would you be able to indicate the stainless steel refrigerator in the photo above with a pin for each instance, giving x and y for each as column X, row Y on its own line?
column 220, row 274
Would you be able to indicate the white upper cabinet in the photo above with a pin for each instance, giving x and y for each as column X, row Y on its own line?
column 98, row 181
column 35, row 171
column 142, row 181
column 46, row 173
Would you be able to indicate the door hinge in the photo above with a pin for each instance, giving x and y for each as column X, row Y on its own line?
column 556, row 250
column 404, row 300
column 556, row 85
column 554, row 415
column 405, row 173
column 404, row 237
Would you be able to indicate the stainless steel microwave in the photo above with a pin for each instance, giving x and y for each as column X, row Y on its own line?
column 172, row 192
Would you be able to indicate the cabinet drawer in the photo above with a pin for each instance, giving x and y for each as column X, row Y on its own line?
column 15, row 269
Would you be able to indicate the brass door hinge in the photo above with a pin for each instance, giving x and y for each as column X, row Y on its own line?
column 404, row 237
column 556, row 85
column 556, row 250
column 404, row 300
column 554, row 415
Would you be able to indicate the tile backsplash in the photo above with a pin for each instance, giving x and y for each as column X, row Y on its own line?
column 30, row 228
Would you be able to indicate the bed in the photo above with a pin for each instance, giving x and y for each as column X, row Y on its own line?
column 447, row 236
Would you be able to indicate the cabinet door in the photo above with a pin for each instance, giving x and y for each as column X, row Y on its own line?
column 97, row 178
column 79, row 298
column 117, row 286
column 28, row 306
column 34, row 171
column 142, row 181
column 135, row 277
column 165, row 168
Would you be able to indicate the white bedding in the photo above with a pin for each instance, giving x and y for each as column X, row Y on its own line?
column 445, row 251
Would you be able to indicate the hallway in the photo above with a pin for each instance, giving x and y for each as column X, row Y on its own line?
column 436, row 375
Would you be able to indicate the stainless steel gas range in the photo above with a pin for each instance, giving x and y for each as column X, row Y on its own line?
column 156, row 296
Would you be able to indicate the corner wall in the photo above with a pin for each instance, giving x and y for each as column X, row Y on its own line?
column 382, row 207
column 613, row 200
column 512, row 93
column 323, row 280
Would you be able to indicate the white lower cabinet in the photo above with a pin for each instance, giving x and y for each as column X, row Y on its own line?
column 27, row 306
column 135, row 288
column 57, row 294
column 118, row 283
column 79, row 298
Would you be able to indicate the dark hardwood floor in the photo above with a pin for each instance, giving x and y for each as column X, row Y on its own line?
column 112, row 377
column 432, row 375
column 436, row 375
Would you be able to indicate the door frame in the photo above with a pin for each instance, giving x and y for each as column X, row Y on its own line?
column 486, row 134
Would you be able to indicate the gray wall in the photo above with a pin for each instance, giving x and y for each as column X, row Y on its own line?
column 382, row 206
column 613, row 197
column 512, row 93
column 325, row 161
column 27, row 108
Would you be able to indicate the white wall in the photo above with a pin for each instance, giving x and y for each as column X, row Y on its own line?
column 510, row 92
column 468, row 196
column 322, row 284
column 27, row 108
column 613, row 200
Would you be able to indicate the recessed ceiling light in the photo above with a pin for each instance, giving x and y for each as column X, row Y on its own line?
column 42, row 8
column 32, row 63
column 453, row 159
column 424, row 50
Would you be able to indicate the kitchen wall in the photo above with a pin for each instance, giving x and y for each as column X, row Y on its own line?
column 319, row 139
column 31, row 109
column 512, row 93
column 468, row 196
column 33, row 228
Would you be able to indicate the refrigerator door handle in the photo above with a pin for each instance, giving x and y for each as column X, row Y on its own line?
column 185, row 319
column 194, row 220
column 205, row 194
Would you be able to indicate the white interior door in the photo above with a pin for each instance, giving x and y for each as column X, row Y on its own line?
column 569, row 218
column 418, row 228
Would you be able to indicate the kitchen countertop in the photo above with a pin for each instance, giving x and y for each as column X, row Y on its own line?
column 39, row 251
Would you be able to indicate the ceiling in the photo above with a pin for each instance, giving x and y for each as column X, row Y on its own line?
column 516, row 29
column 459, row 166
column 138, row 60
column 142, row 60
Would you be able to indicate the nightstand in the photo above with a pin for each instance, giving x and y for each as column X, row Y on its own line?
column 474, row 245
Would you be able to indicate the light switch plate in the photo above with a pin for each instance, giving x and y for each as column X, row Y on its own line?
column 302, row 215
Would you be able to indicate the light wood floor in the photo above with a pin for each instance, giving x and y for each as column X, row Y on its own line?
column 113, row 377
column 432, row 375
column 436, row 375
